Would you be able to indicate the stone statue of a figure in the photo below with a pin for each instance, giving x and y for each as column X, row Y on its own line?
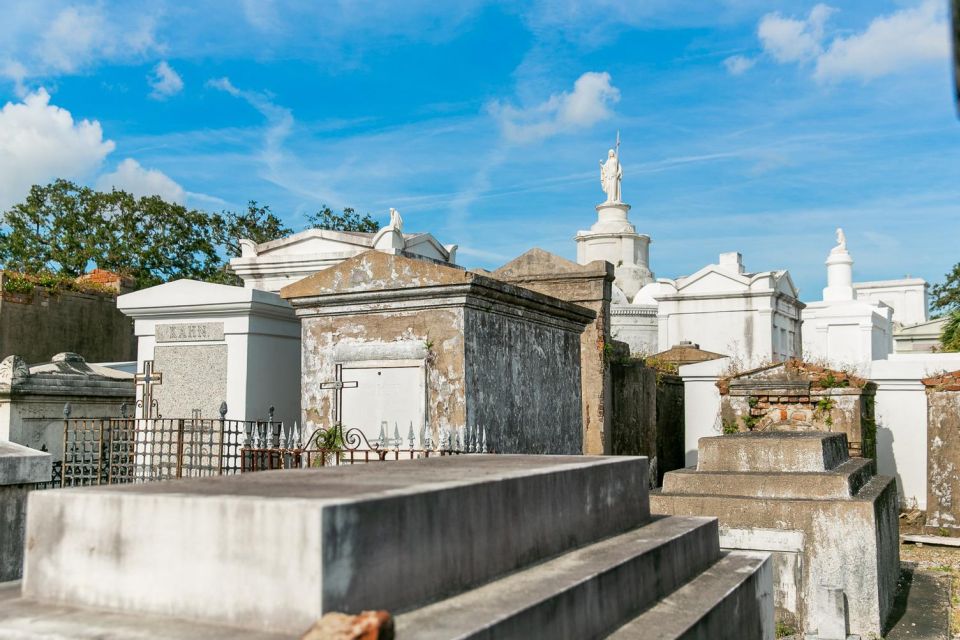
column 841, row 240
column 610, row 174
column 396, row 221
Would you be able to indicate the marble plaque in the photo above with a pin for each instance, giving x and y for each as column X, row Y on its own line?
column 194, row 377
column 190, row 332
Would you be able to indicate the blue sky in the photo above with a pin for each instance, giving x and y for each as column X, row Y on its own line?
column 747, row 125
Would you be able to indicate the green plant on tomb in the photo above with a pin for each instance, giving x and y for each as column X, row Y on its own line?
column 830, row 381
column 753, row 401
column 18, row 285
column 823, row 409
column 730, row 427
column 783, row 629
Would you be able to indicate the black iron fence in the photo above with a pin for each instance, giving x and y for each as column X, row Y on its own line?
column 125, row 450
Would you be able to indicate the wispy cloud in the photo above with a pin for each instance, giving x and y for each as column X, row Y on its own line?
column 587, row 104
column 165, row 81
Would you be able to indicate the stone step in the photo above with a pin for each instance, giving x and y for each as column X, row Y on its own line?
column 732, row 600
column 772, row 451
column 844, row 481
column 585, row 593
column 379, row 536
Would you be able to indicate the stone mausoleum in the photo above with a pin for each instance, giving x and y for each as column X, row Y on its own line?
column 33, row 398
column 432, row 346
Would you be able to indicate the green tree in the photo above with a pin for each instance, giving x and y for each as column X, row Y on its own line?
column 66, row 229
column 946, row 298
column 349, row 220
column 257, row 223
column 55, row 229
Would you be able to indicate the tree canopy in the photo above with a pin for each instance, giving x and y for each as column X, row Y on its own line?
column 946, row 298
column 65, row 229
column 349, row 220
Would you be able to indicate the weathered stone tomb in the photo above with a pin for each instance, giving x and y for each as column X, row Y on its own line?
column 495, row 546
column 799, row 396
column 32, row 398
column 431, row 346
column 830, row 523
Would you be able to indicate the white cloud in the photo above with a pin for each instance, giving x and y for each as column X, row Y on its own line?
column 50, row 39
column 40, row 142
column 889, row 44
column 165, row 81
column 588, row 104
column 131, row 177
column 738, row 65
column 793, row 40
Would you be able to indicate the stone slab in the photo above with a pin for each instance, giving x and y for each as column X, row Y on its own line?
column 391, row 536
column 772, row 451
column 844, row 481
column 737, row 587
column 583, row 594
column 24, row 619
column 23, row 465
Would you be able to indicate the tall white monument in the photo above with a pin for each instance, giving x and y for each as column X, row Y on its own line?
column 841, row 328
column 614, row 239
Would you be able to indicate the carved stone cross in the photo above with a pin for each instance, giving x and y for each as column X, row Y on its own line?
column 147, row 379
column 338, row 384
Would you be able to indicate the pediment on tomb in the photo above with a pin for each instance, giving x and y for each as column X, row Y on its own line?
column 377, row 271
column 537, row 262
column 711, row 280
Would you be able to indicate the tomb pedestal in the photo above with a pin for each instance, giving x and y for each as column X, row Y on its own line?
column 614, row 239
column 458, row 546
column 829, row 521
column 943, row 454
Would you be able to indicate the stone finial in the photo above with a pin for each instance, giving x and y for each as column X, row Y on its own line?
column 13, row 369
column 839, row 272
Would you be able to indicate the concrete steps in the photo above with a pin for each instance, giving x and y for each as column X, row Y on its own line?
column 704, row 608
column 584, row 593
column 455, row 547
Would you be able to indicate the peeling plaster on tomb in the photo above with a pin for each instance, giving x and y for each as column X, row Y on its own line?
column 480, row 352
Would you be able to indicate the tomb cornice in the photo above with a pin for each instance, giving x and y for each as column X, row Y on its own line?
column 534, row 307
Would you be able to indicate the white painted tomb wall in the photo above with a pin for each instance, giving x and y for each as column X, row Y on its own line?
column 753, row 317
column 218, row 343
column 909, row 298
column 901, row 415
column 701, row 403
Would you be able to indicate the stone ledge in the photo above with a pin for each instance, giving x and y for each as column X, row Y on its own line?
column 773, row 451
column 842, row 482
